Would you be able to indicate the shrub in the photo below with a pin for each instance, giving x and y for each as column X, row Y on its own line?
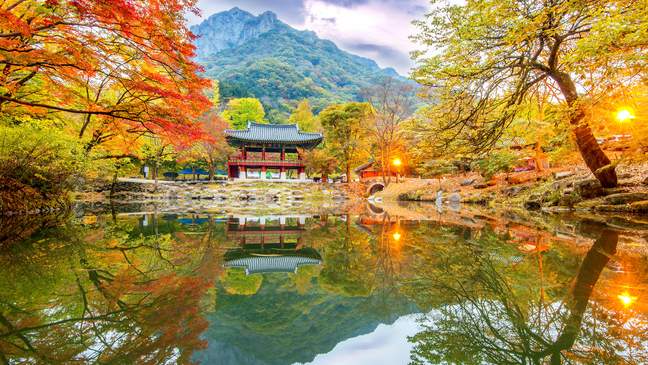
column 41, row 156
column 495, row 162
column 437, row 168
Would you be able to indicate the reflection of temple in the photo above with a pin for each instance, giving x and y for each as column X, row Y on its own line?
column 269, row 244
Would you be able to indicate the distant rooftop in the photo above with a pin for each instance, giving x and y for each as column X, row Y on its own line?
column 288, row 134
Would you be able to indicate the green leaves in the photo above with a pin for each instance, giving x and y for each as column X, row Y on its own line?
column 241, row 111
column 40, row 155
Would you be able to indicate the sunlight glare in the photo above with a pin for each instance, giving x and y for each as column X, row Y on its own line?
column 626, row 299
column 624, row 115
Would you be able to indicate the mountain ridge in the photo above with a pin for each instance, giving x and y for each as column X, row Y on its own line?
column 263, row 57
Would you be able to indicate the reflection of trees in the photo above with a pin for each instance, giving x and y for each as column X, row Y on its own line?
column 105, row 294
column 487, row 318
column 348, row 266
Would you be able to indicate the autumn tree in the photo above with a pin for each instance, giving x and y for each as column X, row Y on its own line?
column 304, row 118
column 319, row 161
column 123, row 67
column 392, row 102
column 155, row 150
column 241, row 111
column 212, row 148
column 490, row 57
column 344, row 131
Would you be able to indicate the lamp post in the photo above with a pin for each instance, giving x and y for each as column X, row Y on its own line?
column 397, row 164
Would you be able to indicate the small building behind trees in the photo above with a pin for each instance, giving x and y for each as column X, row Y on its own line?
column 371, row 170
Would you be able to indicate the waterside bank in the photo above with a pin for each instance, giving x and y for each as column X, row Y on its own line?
column 556, row 190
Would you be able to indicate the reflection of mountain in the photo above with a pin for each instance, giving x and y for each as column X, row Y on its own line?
column 278, row 325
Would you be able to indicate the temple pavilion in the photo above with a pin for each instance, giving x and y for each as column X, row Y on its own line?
column 269, row 151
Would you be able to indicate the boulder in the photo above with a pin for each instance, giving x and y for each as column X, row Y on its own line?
column 514, row 190
column 562, row 174
column 468, row 182
column 588, row 189
column 625, row 198
column 533, row 204
column 640, row 207
column 616, row 191
column 481, row 186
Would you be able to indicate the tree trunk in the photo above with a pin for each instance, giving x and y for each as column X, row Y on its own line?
column 588, row 274
column 112, row 186
column 348, row 173
column 155, row 173
column 594, row 156
column 590, row 151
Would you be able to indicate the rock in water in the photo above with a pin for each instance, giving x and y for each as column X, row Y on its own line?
column 625, row 198
column 454, row 198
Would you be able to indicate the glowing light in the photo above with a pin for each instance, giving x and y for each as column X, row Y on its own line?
column 396, row 236
column 397, row 162
column 624, row 115
column 626, row 299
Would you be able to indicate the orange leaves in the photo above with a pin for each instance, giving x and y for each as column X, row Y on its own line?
column 126, row 62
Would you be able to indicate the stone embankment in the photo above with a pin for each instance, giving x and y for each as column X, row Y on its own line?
column 221, row 196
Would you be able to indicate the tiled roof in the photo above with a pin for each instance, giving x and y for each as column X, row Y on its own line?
column 364, row 166
column 273, row 133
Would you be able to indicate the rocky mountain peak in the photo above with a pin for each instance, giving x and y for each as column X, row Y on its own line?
column 230, row 29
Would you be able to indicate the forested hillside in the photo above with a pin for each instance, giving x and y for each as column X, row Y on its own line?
column 265, row 58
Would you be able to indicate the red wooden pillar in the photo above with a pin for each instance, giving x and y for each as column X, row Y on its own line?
column 242, row 172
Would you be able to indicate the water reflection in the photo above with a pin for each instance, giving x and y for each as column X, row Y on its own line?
column 330, row 288
column 269, row 244
column 488, row 317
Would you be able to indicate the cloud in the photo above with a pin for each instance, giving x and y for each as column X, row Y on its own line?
column 371, row 28
column 391, row 57
column 289, row 11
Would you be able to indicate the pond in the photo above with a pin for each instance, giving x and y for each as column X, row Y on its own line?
column 365, row 286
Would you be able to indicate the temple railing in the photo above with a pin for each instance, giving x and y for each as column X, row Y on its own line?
column 258, row 162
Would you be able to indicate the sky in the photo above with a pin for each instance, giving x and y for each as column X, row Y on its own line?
column 377, row 29
column 386, row 345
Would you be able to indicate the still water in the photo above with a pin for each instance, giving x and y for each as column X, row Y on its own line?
column 363, row 287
